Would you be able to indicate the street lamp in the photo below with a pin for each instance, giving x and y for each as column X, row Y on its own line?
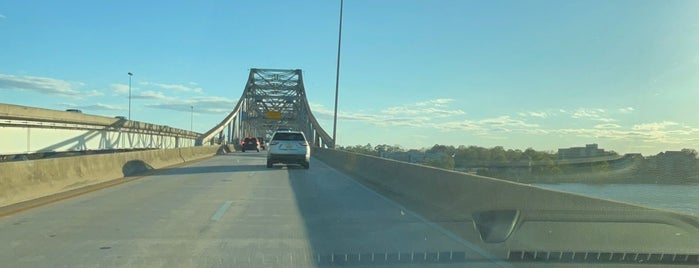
column 130, row 75
column 191, row 119
column 337, row 77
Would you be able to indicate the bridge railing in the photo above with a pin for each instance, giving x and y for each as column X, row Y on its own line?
column 35, row 130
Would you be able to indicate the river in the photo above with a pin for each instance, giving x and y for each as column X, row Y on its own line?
column 682, row 198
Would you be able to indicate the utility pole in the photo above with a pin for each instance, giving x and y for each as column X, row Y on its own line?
column 337, row 77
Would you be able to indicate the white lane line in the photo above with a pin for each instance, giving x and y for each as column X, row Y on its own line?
column 221, row 210
column 497, row 261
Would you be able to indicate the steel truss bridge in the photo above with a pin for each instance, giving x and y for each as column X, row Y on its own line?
column 272, row 98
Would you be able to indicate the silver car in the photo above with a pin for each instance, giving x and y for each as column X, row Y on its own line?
column 289, row 147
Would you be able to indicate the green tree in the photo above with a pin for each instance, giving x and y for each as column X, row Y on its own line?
column 600, row 166
column 384, row 148
column 448, row 150
column 498, row 154
column 445, row 162
column 361, row 149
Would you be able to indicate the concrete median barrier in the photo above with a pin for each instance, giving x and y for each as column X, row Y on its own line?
column 27, row 180
column 500, row 215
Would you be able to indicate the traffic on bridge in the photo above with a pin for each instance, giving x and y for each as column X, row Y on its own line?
column 471, row 134
column 224, row 207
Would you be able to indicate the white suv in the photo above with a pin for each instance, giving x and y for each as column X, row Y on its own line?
column 288, row 147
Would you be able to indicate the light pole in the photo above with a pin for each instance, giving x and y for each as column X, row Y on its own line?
column 337, row 77
column 191, row 119
column 130, row 75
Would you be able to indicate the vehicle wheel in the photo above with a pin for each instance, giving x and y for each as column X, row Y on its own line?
column 306, row 165
column 269, row 164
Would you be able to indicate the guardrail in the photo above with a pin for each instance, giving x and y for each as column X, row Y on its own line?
column 512, row 220
column 26, row 130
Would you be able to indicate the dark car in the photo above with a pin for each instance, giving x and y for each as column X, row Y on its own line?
column 250, row 144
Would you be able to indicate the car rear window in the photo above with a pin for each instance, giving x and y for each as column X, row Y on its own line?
column 289, row 136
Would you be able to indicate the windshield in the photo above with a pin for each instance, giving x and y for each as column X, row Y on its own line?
column 441, row 133
column 288, row 137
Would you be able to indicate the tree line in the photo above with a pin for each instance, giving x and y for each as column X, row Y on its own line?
column 460, row 156
column 678, row 166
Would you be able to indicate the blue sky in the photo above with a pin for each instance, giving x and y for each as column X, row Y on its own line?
column 541, row 74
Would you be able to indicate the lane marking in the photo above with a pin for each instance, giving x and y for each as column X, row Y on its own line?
column 496, row 260
column 219, row 213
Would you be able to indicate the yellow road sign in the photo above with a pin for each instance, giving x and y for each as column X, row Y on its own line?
column 274, row 115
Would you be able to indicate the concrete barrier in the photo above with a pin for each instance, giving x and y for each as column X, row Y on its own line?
column 503, row 216
column 27, row 180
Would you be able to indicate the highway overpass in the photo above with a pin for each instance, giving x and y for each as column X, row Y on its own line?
column 209, row 206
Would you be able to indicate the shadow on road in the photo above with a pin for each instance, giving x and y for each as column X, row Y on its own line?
column 135, row 167
column 348, row 225
column 211, row 169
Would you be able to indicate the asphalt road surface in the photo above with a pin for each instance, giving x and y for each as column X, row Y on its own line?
column 231, row 211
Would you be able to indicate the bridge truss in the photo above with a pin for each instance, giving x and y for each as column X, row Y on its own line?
column 272, row 98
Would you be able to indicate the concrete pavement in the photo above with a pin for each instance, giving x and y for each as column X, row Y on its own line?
column 231, row 211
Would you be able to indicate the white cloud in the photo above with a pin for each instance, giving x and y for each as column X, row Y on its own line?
column 465, row 125
column 654, row 126
column 586, row 113
column 150, row 95
column 93, row 93
column 181, row 88
column 43, row 85
column 506, row 121
column 535, row 114
column 626, row 110
column 607, row 126
column 435, row 102
column 646, row 133
column 209, row 105
column 595, row 114
column 320, row 111
column 436, row 108
column 431, row 118
column 120, row 88
column 656, row 133
column 97, row 106
column 180, row 107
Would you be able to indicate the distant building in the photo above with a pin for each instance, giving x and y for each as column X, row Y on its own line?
column 590, row 150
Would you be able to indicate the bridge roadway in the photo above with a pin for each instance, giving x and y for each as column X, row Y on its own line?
column 230, row 211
